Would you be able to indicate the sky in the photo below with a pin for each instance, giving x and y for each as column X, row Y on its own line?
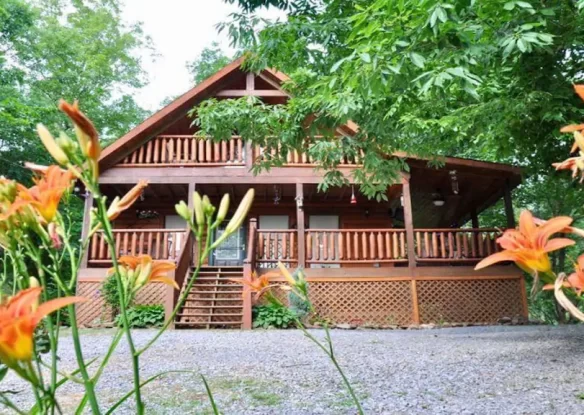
column 179, row 29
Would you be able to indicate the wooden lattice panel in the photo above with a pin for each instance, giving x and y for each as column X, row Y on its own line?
column 363, row 302
column 151, row 294
column 469, row 301
column 95, row 312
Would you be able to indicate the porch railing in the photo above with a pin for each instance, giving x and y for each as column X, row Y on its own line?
column 276, row 246
column 163, row 244
column 338, row 246
column 186, row 150
column 455, row 245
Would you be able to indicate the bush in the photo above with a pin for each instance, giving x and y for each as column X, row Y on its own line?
column 110, row 293
column 273, row 316
column 143, row 316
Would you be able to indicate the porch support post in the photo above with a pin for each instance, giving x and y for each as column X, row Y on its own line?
column 191, row 205
column 86, row 225
column 300, row 226
column 190, row 200
column 248, row 269
column 508, row 206
column 474, row 218
column 409, row 221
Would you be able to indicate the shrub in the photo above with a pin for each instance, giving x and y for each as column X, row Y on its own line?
column 273, row 315
column 143, row 316
column 109, row 291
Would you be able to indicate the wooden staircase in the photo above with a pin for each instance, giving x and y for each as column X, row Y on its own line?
column 214, row 301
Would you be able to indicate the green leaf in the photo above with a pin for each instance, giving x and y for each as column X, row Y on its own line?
column 417, row 59
column 365, row 57
column 509, row 6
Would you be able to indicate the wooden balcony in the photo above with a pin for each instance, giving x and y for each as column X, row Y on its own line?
column 186, row 150
column 164, row 244
column 455, row 245
column 190, row 151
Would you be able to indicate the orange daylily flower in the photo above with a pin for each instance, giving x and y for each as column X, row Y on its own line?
column 84, row 128
column 18, row 319
column 575, row 164
column 567, row 229
column 119, row 205
column 141, row 270
column 575, row 128
column 257, row 286
column 46, row 194
column 574, row 280
column 529, row 246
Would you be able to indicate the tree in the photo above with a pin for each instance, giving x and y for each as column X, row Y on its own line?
column 209, row 61
column 82, row 50
column 486, row 79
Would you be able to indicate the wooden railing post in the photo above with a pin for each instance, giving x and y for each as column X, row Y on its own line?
column 300, row 225
column 86, row 226
column 409, row 222
column 181, row 273
column 248, row 269
column 509, row 206
column 248, row 155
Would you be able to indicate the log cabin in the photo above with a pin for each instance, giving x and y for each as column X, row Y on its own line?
column 408, row 260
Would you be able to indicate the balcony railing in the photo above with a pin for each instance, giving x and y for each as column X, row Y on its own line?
column 186, row 150
column 455, row 245
column 164, row 244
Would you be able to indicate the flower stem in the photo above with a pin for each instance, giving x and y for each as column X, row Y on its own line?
column 203, row 253
column 108, row 235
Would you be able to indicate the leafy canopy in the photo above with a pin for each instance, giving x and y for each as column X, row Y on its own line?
column 489, row 79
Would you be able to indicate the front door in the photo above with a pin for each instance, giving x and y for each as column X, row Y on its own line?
column 232, row 251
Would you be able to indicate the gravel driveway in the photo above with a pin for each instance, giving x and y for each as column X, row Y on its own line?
column 475, row 370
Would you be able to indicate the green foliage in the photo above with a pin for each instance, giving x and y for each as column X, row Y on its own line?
column 488, row 80
column 209, row 61
column 143, row 316
column 273, row 316
column 298, row 305
column 110, row 293
column 74, row 50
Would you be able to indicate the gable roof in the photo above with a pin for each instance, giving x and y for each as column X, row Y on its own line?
column 178, row 108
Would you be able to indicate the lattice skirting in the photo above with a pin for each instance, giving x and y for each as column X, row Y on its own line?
column 95, row 312
column 393, row 302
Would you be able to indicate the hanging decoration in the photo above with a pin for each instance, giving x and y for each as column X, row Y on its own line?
column 353, row 198
column 277, row 196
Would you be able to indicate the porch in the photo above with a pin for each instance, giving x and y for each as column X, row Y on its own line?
column 367, row 262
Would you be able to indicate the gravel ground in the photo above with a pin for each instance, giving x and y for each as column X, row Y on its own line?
column 474, row 370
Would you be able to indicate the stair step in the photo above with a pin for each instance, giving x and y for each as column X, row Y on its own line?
column 205, row 323
column 213, row 292
column 211, row 315
column 214, row 285
column 218, row 307
column 215, row 299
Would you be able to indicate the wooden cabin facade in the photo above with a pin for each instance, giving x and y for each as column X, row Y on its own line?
column 398, row 262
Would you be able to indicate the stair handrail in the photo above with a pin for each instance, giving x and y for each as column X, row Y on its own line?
column 248, row 269
column 183, row 267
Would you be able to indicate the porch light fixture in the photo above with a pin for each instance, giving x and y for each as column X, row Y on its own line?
column 277, row 196
column 353, row 198
column 454, row 182
column 299, row 202
column 438, row 200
